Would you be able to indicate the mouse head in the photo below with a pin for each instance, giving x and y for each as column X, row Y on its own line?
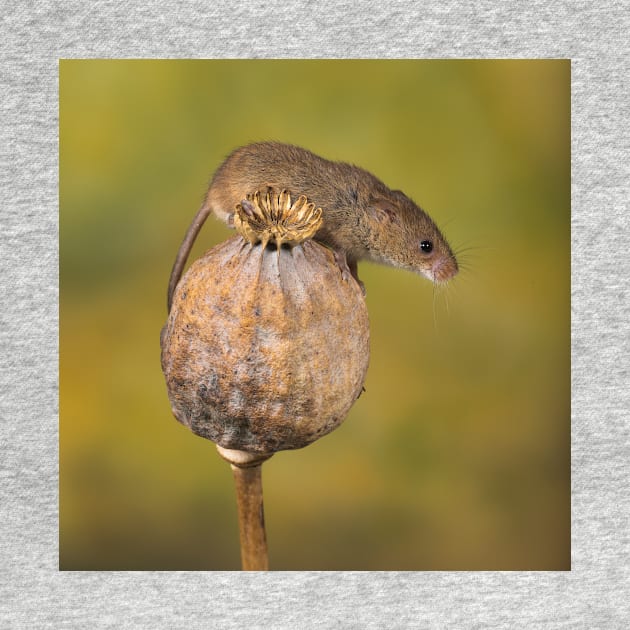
column 407, row 237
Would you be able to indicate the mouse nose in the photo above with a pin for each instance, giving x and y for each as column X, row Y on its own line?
column 444, row 268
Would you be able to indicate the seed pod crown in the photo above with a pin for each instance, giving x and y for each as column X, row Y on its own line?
column 273, row 218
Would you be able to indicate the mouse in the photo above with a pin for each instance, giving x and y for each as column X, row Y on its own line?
column 362, row 218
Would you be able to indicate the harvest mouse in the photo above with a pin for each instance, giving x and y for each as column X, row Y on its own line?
column 362, row 218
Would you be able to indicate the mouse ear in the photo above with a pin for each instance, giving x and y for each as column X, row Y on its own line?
column 383, row 210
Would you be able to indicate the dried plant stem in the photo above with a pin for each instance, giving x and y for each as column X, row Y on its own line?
column 251, row 518
column 247, row 471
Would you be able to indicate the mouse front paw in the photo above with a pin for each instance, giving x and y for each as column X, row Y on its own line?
column 342, row 263
column 348, row 270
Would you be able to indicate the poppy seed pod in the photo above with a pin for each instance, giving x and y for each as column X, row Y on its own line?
column 266, row 346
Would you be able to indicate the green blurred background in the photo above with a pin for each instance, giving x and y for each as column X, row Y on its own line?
column 458, row 454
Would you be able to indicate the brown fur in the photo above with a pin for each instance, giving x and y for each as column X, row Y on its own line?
column 363, row 218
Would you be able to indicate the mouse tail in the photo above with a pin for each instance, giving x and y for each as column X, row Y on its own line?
column 184, row 251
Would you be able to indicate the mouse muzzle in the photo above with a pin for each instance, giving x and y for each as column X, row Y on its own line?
column 444, row 268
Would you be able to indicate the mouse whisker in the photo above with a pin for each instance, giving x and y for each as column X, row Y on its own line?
column 435, row 289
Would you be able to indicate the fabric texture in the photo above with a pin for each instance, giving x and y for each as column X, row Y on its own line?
column 34, row 594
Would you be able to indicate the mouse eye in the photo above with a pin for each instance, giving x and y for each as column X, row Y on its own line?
column 426, row 247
